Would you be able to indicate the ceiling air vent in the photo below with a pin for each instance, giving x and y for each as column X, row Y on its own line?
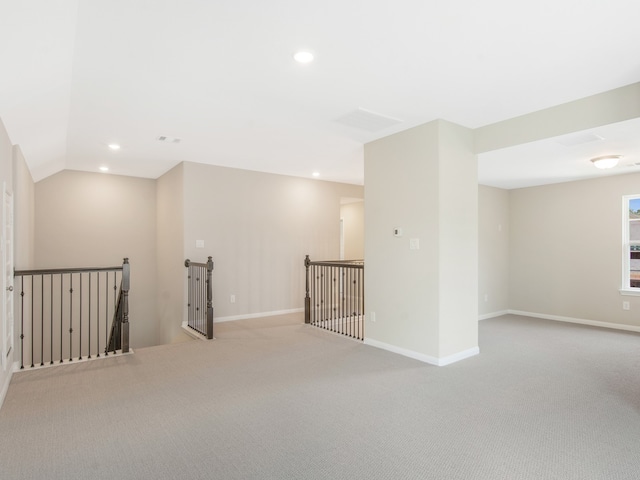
column 367, row 120
column 165, row 139
column 579, row 139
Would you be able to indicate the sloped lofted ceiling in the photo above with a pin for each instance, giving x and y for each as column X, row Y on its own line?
column 78, row 75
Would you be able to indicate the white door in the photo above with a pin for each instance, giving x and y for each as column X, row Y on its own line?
column 7, row 269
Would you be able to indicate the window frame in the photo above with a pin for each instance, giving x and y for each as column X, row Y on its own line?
column 627, row 289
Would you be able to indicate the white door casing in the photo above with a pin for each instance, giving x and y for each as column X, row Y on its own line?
column 7, row 269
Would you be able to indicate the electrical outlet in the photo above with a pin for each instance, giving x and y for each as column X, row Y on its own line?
column 486, row 297
column 625, row 306
column 372, row 316
column 232, row 299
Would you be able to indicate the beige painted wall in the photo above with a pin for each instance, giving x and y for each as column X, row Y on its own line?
column 402, row 284
column 458, row 242
column 605, row 108
column 92, row 219
column 565, row 250
column 493, row 250
column 258, row 227
column 352, row 215
column 170, row 258
column 423, row 180
column 24, row 213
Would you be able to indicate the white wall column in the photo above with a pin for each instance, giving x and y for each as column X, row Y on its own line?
column 422, row 282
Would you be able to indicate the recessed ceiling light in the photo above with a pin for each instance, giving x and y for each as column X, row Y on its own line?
column 606, row 161
column 316, row 174
column 114, row 146
column 303, row 57
column 104, row 169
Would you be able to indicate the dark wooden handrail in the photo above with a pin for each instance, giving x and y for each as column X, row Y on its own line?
column 54, row 271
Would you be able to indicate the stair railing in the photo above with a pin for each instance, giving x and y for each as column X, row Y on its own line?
column 64, row 313
column 119, row 338
column 334, row 298
column 200, row 297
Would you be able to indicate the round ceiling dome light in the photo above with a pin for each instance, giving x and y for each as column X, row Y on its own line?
column 606, row 161
column 303, row 57
column 114, row 146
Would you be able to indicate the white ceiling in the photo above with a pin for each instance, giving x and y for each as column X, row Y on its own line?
column 77, row 75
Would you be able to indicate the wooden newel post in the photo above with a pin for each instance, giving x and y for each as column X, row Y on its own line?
column 126, row 277
column 209, row 299
column 307, row 298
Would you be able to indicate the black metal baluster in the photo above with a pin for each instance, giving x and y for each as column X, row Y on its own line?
column 347, row 319
column 189, row 295
column 333, row 293
column 115, row 307
column 343, row 293
column 32, row 335
column 344, row 319
column 51, row 319
column 106, row 313
column 198, row 293
column 203, row 291
column 71, row 317
column 323, row 315
column 203, row 301
column 335, row 272
column 80, row 319
column 355, row 303
column 41, row 320
column 319, row 298
column 98, row 315
column 356, row 306
column 362, row 312
column 336, row 296
column 196, row 301
column 354, row 319
column 61, row 313
column 196, row 318
column 350, row 317
column 347, row 289
column 22, row 323
column 314, row 295
column 89, row 320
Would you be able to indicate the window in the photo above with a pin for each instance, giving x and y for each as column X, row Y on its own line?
column 631, row 239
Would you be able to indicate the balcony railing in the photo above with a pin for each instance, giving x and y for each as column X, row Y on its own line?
column 334, row 298
column 200, row 297
column 72, row 314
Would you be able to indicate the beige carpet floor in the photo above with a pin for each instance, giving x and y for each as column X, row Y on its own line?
column 275, row 399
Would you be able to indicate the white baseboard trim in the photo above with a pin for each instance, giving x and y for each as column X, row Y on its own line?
column 5, row 386
column 487, row 316
column 440, row 362
column 192, row 333
column 581, row 321
column 247, row 316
